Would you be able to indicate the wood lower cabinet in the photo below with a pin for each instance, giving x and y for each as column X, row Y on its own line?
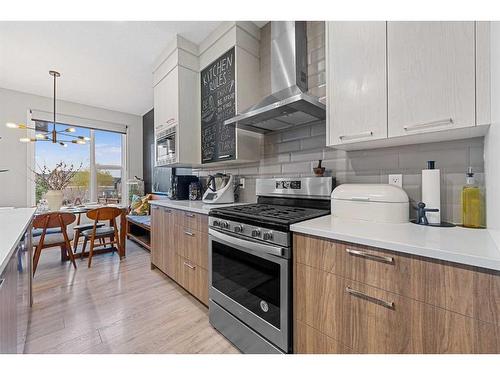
column 191, row 220
column 157, row 242
column 462, row 289
column 162, row 246
column 311, row 341
column 179, row 248
column 193, row 278
column 375, row 301
column 193, row 245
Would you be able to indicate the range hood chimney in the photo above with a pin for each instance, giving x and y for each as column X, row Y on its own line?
column 289, row 104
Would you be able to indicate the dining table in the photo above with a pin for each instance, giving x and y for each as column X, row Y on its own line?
column 83, row 209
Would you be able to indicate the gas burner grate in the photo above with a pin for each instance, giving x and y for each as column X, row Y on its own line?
column 285, row 214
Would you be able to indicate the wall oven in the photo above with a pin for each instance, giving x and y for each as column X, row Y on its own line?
column 165, row 144
column 249, row 289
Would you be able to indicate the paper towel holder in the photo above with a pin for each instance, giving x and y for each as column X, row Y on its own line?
column 422, row 219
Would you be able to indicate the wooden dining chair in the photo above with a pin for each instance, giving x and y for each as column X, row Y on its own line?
column 109, row 233
column 48, row 238
column 79, row 227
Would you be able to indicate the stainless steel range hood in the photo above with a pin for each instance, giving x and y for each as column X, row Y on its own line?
column 289, row 104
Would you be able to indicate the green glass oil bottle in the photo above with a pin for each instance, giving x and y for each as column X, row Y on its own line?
column 472, row 207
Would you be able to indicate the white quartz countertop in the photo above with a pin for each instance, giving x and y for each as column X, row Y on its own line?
column 192, row 206
column 475, row 247
column 13, row 224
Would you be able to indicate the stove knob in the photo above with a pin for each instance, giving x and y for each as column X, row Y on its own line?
column 268, row 236
column 224, row 225
column 216, row 223
column 256, row 233
column 238, row 228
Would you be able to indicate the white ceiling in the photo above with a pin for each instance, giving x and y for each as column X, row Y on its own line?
column 103, row 64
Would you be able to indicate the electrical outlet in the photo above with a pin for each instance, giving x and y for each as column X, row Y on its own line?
column 242, row 183
column 396, row 179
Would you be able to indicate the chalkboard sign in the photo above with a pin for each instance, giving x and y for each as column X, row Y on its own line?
column 218, row 94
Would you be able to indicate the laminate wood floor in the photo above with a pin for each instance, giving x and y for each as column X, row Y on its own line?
column 115, row 307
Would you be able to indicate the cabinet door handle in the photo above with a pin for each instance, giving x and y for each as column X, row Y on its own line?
column 189, row 265
column 1, row 283
column 364, row 254
column 357, row 293
column 446, row 121
column 155, row 207
column 356, row 135
column 190, row 215
column 189, row 233
column 168, row 211
column 225, row 156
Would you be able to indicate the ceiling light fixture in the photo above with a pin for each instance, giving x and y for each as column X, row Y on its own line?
column 53, row 136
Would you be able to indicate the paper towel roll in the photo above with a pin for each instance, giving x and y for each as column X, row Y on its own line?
column 431, row 193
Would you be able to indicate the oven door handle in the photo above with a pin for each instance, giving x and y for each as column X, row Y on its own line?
column 230, row 240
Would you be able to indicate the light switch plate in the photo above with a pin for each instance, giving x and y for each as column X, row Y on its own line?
column 242, row 183
column 396, row 179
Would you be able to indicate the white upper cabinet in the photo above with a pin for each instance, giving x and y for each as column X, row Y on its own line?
column 166, row 99
column 431, row 76
column 356, row 82
column 176, row 103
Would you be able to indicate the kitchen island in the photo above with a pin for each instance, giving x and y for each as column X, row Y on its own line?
column 13, row 224
column 15, row 277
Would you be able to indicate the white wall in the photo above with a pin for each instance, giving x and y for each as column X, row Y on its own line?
column 492, row 139
column 14, row 106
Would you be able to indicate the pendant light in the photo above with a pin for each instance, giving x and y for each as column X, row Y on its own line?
column 53, row 135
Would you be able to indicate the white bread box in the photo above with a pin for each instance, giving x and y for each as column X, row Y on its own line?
column 382, row 203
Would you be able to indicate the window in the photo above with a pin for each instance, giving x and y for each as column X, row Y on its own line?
column 97, row 166
column 108, row 163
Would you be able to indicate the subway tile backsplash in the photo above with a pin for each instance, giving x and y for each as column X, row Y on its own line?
column 296, row 158
column 294, row 152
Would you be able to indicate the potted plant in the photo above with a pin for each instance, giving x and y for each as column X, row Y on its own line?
column 54, row 181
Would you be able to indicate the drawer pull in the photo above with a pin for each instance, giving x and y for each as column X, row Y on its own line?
column 189, row 265
column 357, row 293
column 190, row 215
column 364, row 254
column 155, row 207
column 189, row 233
column 446, row 121
column 168, row 211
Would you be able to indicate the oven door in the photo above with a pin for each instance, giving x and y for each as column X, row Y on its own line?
column 251, row 281
column 165, row 147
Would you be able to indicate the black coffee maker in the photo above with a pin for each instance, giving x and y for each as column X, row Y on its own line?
column 180, row 186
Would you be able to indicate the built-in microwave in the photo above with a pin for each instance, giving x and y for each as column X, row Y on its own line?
column 165, row 143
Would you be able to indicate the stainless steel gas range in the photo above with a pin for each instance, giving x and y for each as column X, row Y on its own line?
column 250, row 262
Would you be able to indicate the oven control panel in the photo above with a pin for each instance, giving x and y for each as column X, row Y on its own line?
column 251, row 231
